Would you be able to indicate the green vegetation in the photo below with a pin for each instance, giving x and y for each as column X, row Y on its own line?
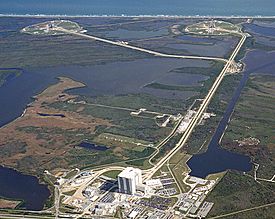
column 138, row 129
column 166, row 148
column 126, row 125
column 220, row 28
column 250, row 119
column 237, row 191
column 198, row 141
column 254, row 117
column 170, row 87
column 179, row 167
column 84, row 158
column 70, row 193
column 137, row 101
column 118, row 213
column 12, row 149
column 32, row 51
column 267, row 212
column 47, row 28
column 141, row 163
column 70, row 174
column 112, row 174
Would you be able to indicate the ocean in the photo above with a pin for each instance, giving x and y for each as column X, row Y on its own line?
column 139, row 7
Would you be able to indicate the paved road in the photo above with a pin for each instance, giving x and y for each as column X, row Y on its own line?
column 199, row 113
column 206, row 100
column 78, row 193
column 138, row 48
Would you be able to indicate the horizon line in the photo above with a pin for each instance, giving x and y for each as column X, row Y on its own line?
column 123, row 15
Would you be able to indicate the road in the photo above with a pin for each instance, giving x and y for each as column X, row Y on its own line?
column 194, row 121
column 199, row 113
column 118, row 108
column 138, row 48
column 242, row 211
column 20, row 216
column 92, row 204
column 78, row 193
column 149, row 173
column 56, row 200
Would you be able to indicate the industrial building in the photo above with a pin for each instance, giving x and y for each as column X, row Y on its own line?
column 128, row 180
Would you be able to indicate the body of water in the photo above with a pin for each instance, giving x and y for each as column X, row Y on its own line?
column 15, row 94
column 140, row 7
column 92, row 146
column 112, row 78
column 261, row 30
column 46, row 115
column 217, row 159
column 15, row 185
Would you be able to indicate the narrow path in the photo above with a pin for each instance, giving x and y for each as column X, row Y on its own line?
column 241, row 211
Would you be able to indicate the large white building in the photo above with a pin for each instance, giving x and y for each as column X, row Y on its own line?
column 128, row 180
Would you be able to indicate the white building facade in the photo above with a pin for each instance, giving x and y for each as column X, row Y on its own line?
column 128, row 180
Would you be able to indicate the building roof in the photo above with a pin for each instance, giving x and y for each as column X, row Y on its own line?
column 129, row 172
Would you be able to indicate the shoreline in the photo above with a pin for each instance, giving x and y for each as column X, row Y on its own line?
column 137, row 16
column 40, row 180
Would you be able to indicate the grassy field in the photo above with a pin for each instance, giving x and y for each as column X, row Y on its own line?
column 267, row 212
column 178, row 167
column 137, row 101
column 112, row 174
column 254, row 118
column 237, row 192
column 23, row 50
column 223, row 28
column 198, row 141
column 123, row 123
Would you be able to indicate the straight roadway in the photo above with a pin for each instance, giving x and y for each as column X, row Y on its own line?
column 199, row 113
column 138, row 48
column 150, row 172
column 194, row 121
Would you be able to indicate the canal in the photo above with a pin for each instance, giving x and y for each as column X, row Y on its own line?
column 216, row 159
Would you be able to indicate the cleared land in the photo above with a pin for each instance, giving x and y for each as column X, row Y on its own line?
column 46, row 28
column 213, row 27
column 8, row 204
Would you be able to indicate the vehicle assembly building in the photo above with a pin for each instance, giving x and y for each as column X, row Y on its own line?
column 128, row 180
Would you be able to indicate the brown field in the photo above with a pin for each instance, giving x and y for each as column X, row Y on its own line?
column 33, row 142
column 4, row 203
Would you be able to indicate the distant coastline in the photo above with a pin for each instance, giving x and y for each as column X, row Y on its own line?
column 142, row 16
